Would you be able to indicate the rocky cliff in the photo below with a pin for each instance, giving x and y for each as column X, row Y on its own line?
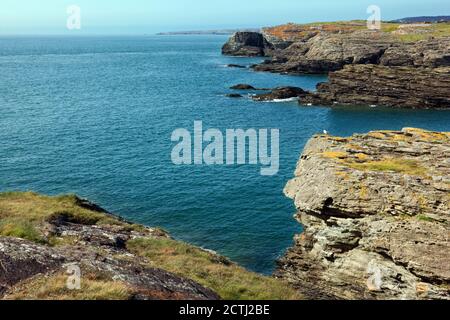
column 407, row 87
column 363, row 64
column 246, row 44
column 47, row 241
column 376, row 213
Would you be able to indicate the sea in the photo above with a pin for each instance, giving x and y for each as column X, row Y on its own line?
column 94, row 116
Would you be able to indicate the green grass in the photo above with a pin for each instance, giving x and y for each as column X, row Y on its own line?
column 24, row 214
column 422, row 217
column 228, row 280
column 93, row 287
column 19, row 228
column 406, row 166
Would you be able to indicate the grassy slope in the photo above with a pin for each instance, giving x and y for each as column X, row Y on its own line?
column 25, row 215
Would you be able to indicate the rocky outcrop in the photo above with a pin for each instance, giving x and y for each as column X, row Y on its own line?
column 365, row 67
column 432, row 53
column 246, row 44
column 281, row 93
column 328, row 52
column 376, row 211
column 99, row 251
column 392, row 86
column 21, row 260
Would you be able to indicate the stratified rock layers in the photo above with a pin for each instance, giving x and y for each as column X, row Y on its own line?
column 376, row 212
column 385, row 86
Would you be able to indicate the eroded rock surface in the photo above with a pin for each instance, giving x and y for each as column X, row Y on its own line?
column 246, row 44
column 101, row 251
column 407, row 87
column 376, row 213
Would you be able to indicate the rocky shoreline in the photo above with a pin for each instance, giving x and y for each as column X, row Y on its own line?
column 376, row 213
column 365, row 67
column 44, row 240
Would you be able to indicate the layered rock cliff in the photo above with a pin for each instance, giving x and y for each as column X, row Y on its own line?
column 376, row 213
column 407, row 87
column 364, row 65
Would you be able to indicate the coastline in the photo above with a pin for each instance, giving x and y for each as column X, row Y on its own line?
column 77, row 230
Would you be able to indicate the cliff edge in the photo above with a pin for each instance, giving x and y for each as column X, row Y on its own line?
column 376, row 213
column 47, row 243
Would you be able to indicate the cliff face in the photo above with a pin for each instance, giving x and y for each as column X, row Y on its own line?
column 42, row 238
column 246, row 44
column 407, row 87
column 376, row 212
column 364, row 65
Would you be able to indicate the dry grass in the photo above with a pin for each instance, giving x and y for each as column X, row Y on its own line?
column 335, row 154
column 228, row 280
column 405, row 166
column 54, row 287
column 24, row 214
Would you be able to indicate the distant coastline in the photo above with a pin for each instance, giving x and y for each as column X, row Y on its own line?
column 208, row 32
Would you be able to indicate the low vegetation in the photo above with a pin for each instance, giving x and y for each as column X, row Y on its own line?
column 227, row 279
column 25, row 214
column 406, row 166
column 54, row 287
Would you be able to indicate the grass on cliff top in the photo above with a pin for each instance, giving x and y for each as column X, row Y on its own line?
column 230, row 281
column 405, row 166
column 361, row 162
column 23, row 214
column 54, row 287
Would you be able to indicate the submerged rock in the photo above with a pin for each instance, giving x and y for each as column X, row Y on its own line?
column 376, row 216
column 234, row 95
column 280, row 93
column 242, row 86
column 232, row 65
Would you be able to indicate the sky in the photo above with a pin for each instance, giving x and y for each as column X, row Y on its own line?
column 150, row 16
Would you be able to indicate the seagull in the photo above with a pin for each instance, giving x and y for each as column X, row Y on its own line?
column 325, row 132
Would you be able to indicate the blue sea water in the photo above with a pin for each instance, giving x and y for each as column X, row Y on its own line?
column 94, row 116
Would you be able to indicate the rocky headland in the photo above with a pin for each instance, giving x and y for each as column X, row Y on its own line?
column 376, row 214
column 365, row 67
column 43, row 240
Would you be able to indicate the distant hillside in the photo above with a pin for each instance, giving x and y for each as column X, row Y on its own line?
column 423, row 19
column 205, row 32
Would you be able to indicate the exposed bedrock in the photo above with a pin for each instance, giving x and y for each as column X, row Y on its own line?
column 408, row 87
column 331, row 52
column 246, row 44
column 376, row 213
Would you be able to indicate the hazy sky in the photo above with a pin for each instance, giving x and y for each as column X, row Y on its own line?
column 148, row 16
